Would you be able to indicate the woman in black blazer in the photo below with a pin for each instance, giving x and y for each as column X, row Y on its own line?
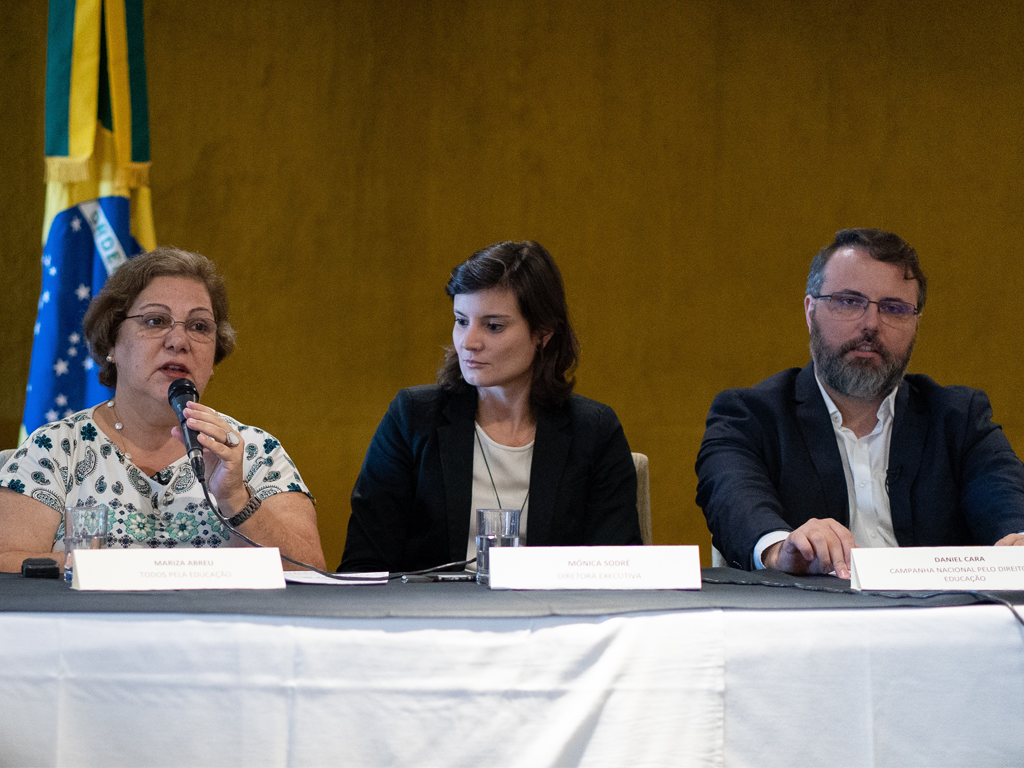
column 501, row 428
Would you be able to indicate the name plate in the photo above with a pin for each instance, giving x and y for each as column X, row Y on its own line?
column 938, row 568
column 595, row 567
column 131, row 570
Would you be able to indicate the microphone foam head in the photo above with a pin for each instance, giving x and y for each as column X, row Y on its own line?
column 180, row 392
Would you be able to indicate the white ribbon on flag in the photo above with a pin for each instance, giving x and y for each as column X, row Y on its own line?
column 103, row 235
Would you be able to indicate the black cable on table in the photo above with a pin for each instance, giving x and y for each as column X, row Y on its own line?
column 329, row 574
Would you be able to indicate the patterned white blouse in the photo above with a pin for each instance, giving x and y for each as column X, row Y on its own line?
column 71, row 462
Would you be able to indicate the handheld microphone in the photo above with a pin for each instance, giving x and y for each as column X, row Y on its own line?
column 179, row 393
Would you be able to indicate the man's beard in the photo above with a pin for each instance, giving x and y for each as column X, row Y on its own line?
column 857, row 377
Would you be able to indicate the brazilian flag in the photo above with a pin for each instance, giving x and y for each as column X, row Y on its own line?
column 98, row 207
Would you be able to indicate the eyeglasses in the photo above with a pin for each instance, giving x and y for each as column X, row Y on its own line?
column 852, row 306
column 158, row 324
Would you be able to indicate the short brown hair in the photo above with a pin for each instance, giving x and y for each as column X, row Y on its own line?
column 880, row 246
column 110, row 306
column 532, row 275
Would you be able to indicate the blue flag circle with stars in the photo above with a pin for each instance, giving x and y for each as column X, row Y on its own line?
column 82, row 244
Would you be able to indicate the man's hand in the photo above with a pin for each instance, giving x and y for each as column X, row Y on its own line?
column 1012, row 540
column 817, row 546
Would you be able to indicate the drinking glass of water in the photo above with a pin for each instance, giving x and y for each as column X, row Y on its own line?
column 85, row 527
column 495, row 528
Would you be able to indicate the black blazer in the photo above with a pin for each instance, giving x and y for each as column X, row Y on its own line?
column 769, row 461
column 411, row 503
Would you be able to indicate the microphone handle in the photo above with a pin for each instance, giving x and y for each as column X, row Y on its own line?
column 192, row 446
column 198, row 466
column 194, row 450
column 178, row 394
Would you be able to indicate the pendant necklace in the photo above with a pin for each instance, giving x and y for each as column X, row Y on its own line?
column 118, row 425
column 493, row 486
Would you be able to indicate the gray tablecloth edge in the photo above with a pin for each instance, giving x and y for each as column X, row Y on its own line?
column 724, row 588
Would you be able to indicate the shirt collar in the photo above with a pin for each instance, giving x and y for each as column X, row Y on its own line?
column 885, row 411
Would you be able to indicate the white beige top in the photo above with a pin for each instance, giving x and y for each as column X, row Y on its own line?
column 510, row 467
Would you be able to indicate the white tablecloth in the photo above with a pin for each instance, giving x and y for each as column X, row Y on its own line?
column 897, row 687
column 906, row 687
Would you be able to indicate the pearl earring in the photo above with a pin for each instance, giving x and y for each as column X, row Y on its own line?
column 110, row 358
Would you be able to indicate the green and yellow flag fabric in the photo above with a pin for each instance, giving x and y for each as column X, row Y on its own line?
column 98, row 208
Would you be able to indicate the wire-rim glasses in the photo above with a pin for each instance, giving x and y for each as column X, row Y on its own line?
column 158, row 324
column 853, row 306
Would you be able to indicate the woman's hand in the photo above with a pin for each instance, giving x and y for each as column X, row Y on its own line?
column 224, row 461
column 285, row 520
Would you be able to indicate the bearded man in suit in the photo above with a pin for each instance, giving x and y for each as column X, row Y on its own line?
column 849, row 450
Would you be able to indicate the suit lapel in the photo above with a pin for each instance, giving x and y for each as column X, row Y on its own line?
column 550, row 452
column 820, row 438
column 455, row 443
column 906, row 449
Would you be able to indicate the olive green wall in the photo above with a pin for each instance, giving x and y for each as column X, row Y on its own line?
column 682, row 161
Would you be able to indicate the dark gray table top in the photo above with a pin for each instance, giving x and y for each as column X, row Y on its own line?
column 723, row 588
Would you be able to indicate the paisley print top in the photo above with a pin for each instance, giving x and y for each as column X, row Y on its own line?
column 70, row 462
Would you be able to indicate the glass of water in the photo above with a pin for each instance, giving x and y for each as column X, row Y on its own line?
column 495, row 528
column 85, row 527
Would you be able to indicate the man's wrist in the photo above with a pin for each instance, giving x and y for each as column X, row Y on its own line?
column 766, row 541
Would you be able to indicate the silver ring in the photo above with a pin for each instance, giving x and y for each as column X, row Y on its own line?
column 231, row 439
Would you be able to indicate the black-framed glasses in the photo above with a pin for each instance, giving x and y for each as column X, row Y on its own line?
column 852, row 306
column 157, row 324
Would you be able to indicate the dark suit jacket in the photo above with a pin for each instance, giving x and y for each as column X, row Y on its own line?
column 411, row 504
column 769, row 461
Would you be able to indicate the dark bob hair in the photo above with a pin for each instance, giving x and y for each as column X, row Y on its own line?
column 111, row 305
column 880, row 246
column 532, row 275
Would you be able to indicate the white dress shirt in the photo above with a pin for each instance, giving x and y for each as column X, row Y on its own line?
column 866, row 465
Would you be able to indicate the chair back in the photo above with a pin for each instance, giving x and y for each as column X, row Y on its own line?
column 643, row 496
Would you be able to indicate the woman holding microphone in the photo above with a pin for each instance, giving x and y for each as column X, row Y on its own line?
column 161, row 316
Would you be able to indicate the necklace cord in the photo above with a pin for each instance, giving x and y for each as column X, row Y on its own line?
column 495, row 487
